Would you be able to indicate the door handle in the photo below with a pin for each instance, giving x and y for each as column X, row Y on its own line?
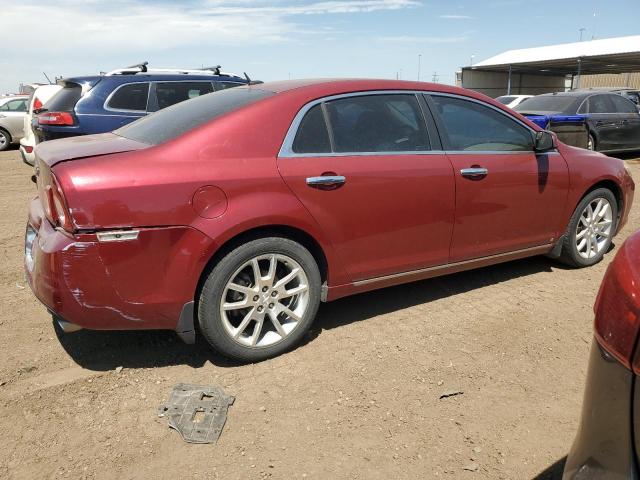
column 326, row 181
column 474, row 172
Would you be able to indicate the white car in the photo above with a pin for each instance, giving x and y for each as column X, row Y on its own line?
column 12, row 112
column 512, row 100
column 38, row 98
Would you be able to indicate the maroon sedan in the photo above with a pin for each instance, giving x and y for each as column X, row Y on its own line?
column 608, row 442
column 241, row 210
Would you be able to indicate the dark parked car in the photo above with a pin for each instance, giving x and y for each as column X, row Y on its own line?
column 608, row 441
column 241, row 210
column 612, row 120
column 102, row 103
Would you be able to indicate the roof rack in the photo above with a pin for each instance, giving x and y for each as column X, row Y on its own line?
column 142, row 68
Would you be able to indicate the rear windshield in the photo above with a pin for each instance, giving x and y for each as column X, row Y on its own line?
column 547, row 103
column 173, row 121
column 65, row 99
column 505, row 100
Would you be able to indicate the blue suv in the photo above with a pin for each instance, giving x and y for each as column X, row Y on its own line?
column 102, row 103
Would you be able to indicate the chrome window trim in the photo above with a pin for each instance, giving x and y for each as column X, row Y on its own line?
column 286, row 150
column 109, row 109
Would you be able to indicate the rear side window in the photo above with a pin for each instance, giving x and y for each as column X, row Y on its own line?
column 225, row 85
column 131, row 96
column 65, row 100
column 472, row 126
column 19, row 105
column 170, row 93
column 177, row 119
column 600, row 104
column 623, row 105
column 312, row 135
column 377, row 123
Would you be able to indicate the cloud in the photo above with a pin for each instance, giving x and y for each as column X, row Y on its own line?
column 456, row 17
column 139, row 25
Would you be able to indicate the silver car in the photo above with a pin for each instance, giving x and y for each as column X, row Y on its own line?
column 12, row 113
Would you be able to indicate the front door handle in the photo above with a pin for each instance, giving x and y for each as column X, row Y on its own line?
column 326, row 181
column 474, row 172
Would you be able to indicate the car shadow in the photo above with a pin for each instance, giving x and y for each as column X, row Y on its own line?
column 553, row 472
column 107, row 350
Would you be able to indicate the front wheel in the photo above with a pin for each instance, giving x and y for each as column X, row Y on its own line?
column 5, row 140
column 260, row 299
column 589, row 234
column 591, row 143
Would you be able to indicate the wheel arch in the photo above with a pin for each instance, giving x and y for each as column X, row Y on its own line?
column 615, row 188
column 277, row 230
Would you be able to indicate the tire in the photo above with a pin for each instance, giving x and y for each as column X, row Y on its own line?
column 591, row 144
column 580, row 229
column 5, row 140
column 236, row 312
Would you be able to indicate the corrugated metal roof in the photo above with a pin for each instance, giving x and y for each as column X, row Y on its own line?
column 593, row 48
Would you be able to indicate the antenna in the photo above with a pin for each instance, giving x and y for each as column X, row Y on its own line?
column 48, row 79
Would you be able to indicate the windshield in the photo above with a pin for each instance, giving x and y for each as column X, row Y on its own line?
column 171, row 122
column 547, row 103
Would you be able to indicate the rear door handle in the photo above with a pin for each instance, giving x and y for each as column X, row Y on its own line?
column 474, row 172
column 326, row 181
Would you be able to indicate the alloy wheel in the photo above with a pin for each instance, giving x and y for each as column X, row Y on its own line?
column 594, row 228
column 4, row 141
column 264, row 300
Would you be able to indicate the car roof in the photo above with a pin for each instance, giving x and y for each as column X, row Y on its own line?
column 337, row 86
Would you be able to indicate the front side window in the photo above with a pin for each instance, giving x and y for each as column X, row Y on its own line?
column 170, row 93
column 132, row 96
column 377, row 123
column 474, row 127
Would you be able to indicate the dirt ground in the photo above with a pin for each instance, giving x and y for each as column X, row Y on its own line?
column 360, row 399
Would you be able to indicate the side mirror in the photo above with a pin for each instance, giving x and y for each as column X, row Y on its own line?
column 544, row 141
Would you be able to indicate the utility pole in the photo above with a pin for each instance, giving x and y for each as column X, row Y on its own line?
column 435, row 78
column 581, row 30
column 419, row 62
column 471, row 60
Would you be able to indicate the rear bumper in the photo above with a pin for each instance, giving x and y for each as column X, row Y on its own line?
column 116, row 285
column 603, row 447
column 28, row 158
column 628, row 194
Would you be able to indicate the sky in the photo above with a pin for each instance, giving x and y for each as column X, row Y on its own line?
column 280, row 39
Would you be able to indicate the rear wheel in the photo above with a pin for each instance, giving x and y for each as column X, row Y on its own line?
column 260, row 299
column 591, row 143
column 5, row 140
column 589, row 234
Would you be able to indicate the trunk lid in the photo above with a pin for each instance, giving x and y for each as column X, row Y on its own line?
column 73, row 148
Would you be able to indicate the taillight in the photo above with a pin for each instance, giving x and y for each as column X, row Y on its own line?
column 37, row 104
column 617, row 307
column 55, row 118
column 57, row 210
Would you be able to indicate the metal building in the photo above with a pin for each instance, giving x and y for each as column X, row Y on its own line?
column 532, row 71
